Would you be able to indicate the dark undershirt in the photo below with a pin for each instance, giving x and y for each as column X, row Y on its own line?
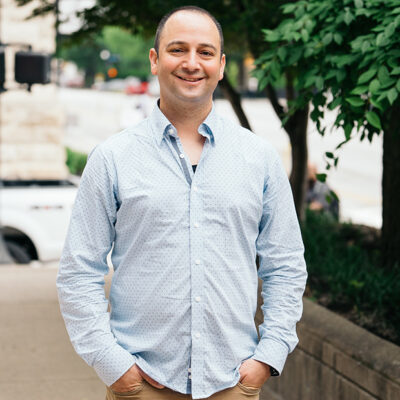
column 194, row 167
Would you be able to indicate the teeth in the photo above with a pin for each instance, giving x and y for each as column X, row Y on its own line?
column 191, row 80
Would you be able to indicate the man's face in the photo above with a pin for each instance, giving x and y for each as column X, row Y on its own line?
column 189, row 64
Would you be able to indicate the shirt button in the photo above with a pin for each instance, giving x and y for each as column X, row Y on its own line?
column 190, row 369
column 196, row 225
column 197, row 334
column 197, row 262
column 181, row 155
column 190, row 376
column 170, row 131
column 195, row 188
column 198, row 298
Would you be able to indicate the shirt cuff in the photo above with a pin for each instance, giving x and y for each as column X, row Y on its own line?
column 272, row 353
column 114, row 364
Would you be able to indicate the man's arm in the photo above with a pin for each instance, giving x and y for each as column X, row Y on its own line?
column 80, row 280
column 282, row 269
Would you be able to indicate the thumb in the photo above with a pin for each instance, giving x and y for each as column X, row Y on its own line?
column 151, row 380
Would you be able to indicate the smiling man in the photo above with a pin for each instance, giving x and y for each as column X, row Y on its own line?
column 186, row 200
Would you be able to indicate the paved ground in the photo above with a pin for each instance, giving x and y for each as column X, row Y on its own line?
column 37, row 361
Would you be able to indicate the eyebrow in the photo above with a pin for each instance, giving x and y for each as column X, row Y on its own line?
column 174, row 42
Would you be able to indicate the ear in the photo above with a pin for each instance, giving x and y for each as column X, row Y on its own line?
column 153, row 57
column 222, row 67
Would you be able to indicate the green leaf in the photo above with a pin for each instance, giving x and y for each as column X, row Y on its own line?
column 341, row 144
column 271, row 36
column 335, row 103
column 327, row 39
column 374, row 86
column 381, row 39
column 358, row 3
column 398, row 85
column 355, row 101
column 390, row 29
column 366, row 76
column 282, row 53
column 348, row 17
column 296, row 36
column 360, row 90
column 383, row 75
column 304, row 35
column 288, row 8
column 321, row 177
column 347, row 131
column 365, row 46
column 373, row 119
column 376, row 104
column 395, row 71
column 319, row 83
column 328, row 154
column 392, row 95
column 338, row 38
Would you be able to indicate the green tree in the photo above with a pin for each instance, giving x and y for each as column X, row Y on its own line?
column 85, row 55
column 242, row 21
column 346, row 54
column 132, row 52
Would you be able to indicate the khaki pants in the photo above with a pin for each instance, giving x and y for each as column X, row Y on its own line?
column 145, row 391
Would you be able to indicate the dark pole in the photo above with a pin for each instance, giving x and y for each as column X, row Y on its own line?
column 5, row 257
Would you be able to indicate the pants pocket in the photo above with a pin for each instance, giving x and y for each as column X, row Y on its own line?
column 112, row 395
column 249, row 389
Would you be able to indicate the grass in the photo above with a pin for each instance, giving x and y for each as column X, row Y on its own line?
column 343, row 262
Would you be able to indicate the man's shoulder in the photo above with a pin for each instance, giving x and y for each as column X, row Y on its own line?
column 125, row 139
column 245, row 138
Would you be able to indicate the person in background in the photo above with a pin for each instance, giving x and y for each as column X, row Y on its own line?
column 319, row 195
column 186, row 200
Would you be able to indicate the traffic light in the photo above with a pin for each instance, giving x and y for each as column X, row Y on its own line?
column 2, row 69
column 31, row 67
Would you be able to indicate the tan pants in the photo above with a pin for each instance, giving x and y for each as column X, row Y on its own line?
column 145, row 391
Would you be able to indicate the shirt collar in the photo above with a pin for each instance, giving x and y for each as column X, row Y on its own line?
column 161, row 125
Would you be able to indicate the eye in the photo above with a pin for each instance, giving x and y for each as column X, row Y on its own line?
column 207, row 53
column 177, row 50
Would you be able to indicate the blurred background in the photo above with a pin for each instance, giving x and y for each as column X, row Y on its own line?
column 318, row 79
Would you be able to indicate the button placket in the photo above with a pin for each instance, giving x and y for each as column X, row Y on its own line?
column 197, row 283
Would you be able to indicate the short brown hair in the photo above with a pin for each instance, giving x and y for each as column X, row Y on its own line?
column 200, row 10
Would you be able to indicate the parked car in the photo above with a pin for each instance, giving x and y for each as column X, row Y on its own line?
column 34, row 217
column 136, row 86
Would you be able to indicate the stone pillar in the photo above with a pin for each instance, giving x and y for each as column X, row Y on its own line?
column 31, row 123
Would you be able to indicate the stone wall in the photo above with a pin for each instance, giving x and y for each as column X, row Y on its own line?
column 31, row 124
column 336, row 360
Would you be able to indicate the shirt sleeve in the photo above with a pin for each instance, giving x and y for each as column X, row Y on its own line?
column 282, row 269
column 83, row 265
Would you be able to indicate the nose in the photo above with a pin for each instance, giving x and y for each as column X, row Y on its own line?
column 191, row 61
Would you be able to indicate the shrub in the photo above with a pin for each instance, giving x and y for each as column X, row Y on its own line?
column 76, row 161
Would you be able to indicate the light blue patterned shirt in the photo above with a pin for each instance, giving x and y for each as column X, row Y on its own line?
column 184, row 289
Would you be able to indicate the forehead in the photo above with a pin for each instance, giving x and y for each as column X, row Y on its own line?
column 189, row 26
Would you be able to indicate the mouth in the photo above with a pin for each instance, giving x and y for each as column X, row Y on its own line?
column 190, row 80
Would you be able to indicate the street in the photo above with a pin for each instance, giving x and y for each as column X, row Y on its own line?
column 92, row 116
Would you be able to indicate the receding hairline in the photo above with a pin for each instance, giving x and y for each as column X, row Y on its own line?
column 191, row 9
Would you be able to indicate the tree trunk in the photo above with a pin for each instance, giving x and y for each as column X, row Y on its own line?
column 235, row 100
column 391, row 190
column 296, row 128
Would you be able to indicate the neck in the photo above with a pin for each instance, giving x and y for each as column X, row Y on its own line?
column 186, row 117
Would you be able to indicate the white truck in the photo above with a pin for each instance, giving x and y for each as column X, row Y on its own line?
column 34, row 217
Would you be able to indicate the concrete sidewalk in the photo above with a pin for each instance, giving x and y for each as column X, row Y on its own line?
column 37, row 360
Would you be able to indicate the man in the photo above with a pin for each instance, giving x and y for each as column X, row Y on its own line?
column 185, row 240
